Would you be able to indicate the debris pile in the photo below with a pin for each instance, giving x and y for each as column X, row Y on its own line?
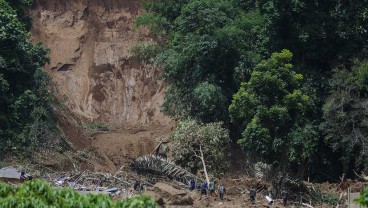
column 119, row 185
column 13, row 175
column 161, row 166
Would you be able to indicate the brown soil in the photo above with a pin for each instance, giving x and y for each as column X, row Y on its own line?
column 92, row 64
column 73, row 131
column 113, row 149
column 98, row 78
column 120, row 147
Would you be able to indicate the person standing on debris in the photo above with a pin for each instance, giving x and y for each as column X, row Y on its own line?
column 136, row 186
column 204, row 189
column 252, row 195
column 222, row 191
column 284, row 196
column 192, row 185
column 141, row 186
column 198, row 187
column 212, row 187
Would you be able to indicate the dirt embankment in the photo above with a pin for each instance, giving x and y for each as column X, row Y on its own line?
column 98, row 80
column 91, row 61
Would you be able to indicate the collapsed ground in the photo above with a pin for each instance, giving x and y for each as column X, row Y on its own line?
column 115, row 99
column 109, row 153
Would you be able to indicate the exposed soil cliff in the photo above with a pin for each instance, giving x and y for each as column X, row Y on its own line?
column 92, row 65
column 91, row 62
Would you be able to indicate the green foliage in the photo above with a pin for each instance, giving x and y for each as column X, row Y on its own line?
column 304, row 27
column 25, row 111
column 38, row 194
column 351, row 28
column 97, row 127
column 190, row 136
column 11, row 28
column 270, row 106
column 320, row 197
column 363, row 199
column 345, row 114
column 145, row 52
column 208, row 46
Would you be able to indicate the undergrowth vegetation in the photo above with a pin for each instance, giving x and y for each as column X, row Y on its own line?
column 39, row 194
column 97, row 127
column 222, row 60
column 27, row 120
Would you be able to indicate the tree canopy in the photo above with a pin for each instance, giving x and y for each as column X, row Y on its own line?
column 271, row 106
column 215, row 54
column 207, row 47
column 191, row 139
column 25, row 98
column 345, row 110
column 220, row 64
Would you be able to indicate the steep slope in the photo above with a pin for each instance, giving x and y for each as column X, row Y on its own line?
column 98, row 80
column 91, row 62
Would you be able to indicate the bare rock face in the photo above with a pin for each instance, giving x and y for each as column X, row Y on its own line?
column 92, row 64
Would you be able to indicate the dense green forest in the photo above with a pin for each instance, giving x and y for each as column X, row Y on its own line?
column 288, row 79
column 26, row 118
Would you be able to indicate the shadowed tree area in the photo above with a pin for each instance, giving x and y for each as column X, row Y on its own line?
column 220, row 62
column 26, row 120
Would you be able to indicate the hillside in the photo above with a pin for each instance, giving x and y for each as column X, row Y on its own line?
column 97, row 77
column 271, row 94
column 91, row 62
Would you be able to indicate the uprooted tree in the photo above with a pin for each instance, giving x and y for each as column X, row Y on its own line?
column 201, row 146
column 158, row 165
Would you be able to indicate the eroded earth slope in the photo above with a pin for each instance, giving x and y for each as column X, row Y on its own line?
column 98, row 80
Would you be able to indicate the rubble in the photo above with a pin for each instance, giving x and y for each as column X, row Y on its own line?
column 13, row 175
column 119, row 185
column 163, row 189
column 172, row 196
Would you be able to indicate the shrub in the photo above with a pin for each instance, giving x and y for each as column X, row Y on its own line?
column 39, row 194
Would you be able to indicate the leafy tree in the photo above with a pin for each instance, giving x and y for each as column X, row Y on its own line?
column 208, row 49
column 39, row 194
column 305, row 27
column 345, row 114
column 351, row 29
column 271, row 106
column 363, row 199
column 201, row 146
column 25, row 88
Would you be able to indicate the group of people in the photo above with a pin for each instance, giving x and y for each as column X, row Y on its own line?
column 203, row 187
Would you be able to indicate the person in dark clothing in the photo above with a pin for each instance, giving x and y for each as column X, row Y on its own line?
column 192, row 185
column 211, row 187
column 252, row 195
column 204, row 189
column 198, row 187
column 284, row 196
column 222, row 191
column 136, row 185
column 141, row 186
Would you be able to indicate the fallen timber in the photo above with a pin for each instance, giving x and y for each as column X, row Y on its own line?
column 158, row 165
